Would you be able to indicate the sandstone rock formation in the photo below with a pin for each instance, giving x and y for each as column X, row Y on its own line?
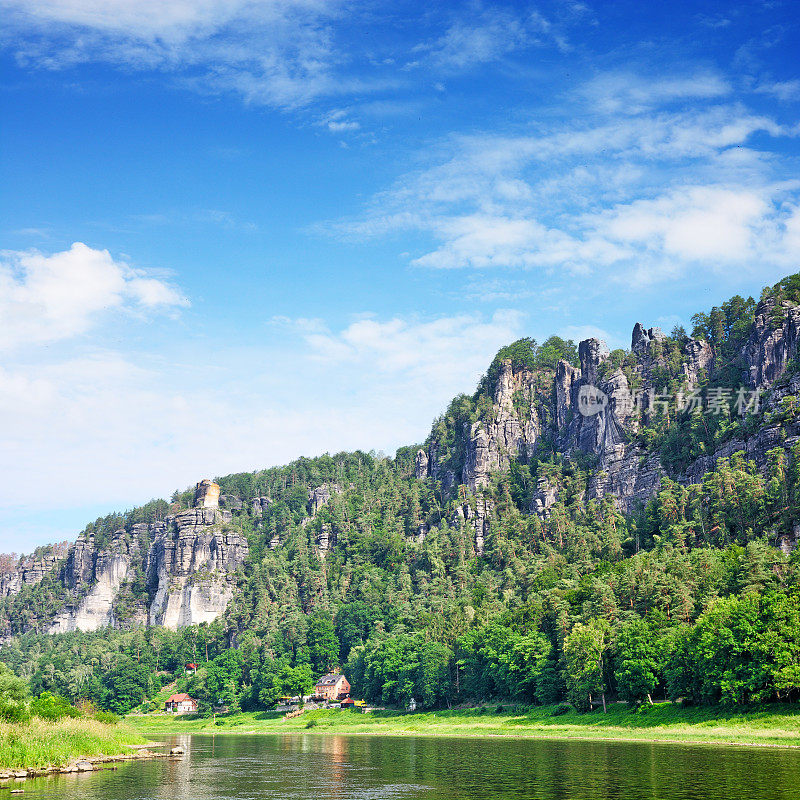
column 770, row 347
column 28, row 572
column 206, row 494
column 321, row 496
column 421, row 464
column 258, row 505
column 544, row 498
column 513, row 431
column 101, row 574
column 476, row 515
column 190, row 569
column 521, row 415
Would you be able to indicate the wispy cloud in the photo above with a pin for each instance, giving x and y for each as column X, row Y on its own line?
column 487, row 35
column 276, row 52
column 100, row 415
column 640, row 195
column 628, row 93
column 782, row 90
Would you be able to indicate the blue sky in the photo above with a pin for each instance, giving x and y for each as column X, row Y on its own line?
column 239, row 231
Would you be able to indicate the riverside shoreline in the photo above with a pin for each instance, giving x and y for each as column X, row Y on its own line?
column 774, row 726
column 69, row 745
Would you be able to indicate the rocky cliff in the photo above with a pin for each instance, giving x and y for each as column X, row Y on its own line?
column 26, row 572
column 177, row 571
column 191, row 568
column 596, row 409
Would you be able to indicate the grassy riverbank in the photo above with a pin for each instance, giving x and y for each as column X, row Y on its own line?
column 40, row 744
column 772, row 725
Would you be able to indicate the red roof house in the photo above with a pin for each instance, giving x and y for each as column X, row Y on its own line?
column 180, row 704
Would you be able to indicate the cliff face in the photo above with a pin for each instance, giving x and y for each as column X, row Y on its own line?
column 175, row 572
column 28, row 572
column 598, row 408
column 96, row 576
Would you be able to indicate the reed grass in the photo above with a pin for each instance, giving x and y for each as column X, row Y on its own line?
column 40, row 744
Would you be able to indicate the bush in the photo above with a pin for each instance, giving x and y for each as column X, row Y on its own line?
column 561, row 708
column 312, row 723
column 499, row 710
column 13, row 696
column 14, row 713
column 53, row 707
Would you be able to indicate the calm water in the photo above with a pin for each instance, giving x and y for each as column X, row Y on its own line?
column 385, row 768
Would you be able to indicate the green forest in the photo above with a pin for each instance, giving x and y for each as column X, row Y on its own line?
column 687, row 597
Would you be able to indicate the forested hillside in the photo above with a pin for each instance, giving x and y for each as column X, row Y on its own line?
column 527, row 550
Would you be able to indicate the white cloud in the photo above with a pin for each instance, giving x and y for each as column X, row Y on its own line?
column 45, row 298
column 275, row 52
column 336, row 121
column 165, row 19
column 438, row 353
column 642, row 194
column 782, row 90
column 628, row 93
column 481, row 241
column 715, row 226
column 487, row 36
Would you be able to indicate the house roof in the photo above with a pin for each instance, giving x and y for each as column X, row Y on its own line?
column 330, row 680
column 180, row 698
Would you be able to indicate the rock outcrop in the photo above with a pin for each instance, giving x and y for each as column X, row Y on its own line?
column 28, row 572
column 594, row 410
column 770, row 346
column 101, row 574
column 186, row 562
column 190, row 568
column 421, row 464
column 544, row 498
column 258, row 505
column 321, row 496
column 698, row 361
column 476, row 516
column 513, row 432
column 206, row 494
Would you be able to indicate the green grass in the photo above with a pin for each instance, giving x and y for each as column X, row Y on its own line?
column 771, row 725
column 40, row 744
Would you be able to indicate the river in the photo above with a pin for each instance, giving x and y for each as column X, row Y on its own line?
column 388, row 768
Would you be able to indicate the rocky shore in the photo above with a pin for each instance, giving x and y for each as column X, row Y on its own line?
column 89, row 764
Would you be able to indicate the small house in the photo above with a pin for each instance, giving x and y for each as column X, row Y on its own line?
column 190, row 669
column 180, row 704
column 332, row 687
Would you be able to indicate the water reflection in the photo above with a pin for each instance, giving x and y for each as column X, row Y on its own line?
column 371, row 767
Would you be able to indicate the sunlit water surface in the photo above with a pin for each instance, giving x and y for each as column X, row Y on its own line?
column 387, row 768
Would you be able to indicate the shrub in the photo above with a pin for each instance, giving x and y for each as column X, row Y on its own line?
column 561, row 708
column 53, row 707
